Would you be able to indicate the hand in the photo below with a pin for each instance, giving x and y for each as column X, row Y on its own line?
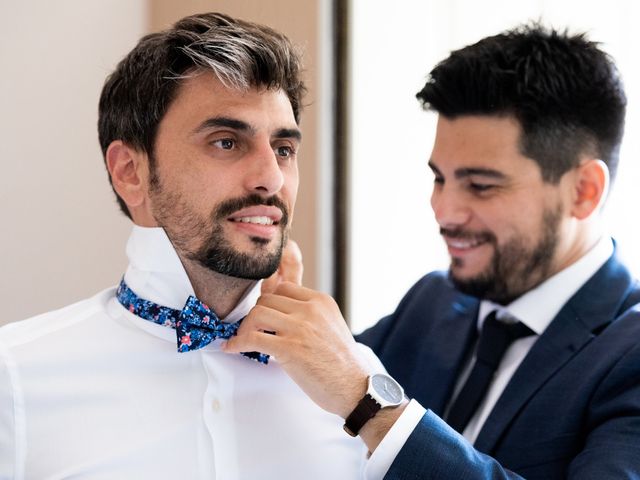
column 289, row 270
column 312, row 343
column 306, row 332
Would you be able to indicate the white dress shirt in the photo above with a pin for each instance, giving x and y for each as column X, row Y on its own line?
column 93, row 392
column 536, row 309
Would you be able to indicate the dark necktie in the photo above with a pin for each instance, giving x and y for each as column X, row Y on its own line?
column 495, row 338
column 196, row 324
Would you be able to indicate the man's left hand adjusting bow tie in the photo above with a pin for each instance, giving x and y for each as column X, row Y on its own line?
column 196, row 324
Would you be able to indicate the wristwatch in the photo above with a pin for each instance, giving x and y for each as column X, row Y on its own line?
column 382, row 392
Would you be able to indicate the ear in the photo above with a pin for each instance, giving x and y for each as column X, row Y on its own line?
column 591, row 187
column 128, row 169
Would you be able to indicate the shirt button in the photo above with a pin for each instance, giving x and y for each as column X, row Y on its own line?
column 215, row 405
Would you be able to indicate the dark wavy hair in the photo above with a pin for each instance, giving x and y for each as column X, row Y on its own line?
column 136, row 96
column 564, row 91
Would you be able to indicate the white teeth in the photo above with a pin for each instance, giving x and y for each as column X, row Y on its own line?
column 462, row 243
column 258, row 220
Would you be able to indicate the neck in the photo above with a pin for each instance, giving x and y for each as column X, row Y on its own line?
column 584, row 237
column 220, row 292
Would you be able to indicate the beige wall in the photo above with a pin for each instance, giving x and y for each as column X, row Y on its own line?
column 62, row 237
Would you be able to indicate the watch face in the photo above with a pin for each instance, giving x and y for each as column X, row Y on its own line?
column 387, row 388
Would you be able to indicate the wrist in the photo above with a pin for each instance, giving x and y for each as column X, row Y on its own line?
column 382, row 393
column 355, row 394
column 378, row 427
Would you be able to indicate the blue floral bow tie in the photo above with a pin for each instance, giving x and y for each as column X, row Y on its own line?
column 196, row 324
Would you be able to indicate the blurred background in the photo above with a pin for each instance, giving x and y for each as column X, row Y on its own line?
column 363, row 218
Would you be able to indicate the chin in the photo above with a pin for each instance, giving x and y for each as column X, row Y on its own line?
column 263, row 242
column 462, row 272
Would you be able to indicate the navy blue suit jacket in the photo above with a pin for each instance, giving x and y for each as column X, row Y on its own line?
column 571, row 410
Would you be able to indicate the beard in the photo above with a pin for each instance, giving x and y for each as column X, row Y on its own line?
column 213, row 250
column 219, row 255
column 515, row 267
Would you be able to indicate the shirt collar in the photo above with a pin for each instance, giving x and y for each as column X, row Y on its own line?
column 156, row 273
column 538, row 307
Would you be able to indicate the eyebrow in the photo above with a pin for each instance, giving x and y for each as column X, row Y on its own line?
column 242, row 126
column 483, row 172
column 472, row 171
column 289, row 133
column 227, row 122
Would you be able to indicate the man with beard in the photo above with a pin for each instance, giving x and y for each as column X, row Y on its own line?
column 199, row 129
column 523, row 360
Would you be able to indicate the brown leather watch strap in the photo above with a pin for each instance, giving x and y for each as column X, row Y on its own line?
column 364, row 411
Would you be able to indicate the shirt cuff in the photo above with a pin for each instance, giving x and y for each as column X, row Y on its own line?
column 386, row 452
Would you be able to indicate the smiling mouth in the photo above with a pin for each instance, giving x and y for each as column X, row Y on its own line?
column 257, row 220
column 464, row 243
column 459, row 241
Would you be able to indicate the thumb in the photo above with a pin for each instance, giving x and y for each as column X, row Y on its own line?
column 289, row 270
column 291, row 266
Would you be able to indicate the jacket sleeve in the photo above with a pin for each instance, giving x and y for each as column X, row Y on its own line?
column 612, row 448
column 436, row 451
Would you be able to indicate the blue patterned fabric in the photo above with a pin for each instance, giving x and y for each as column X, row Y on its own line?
column 196, row 325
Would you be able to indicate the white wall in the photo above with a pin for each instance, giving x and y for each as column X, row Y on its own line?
column 394, row 238
column 61, row 236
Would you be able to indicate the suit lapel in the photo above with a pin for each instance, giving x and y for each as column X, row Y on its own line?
column 587, row 312
column 443, row 355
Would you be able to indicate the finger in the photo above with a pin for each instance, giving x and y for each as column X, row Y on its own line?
column 253, row 341
column 273, row 321
column 295, row 291
column 291, row 266
column 280, row 303
column 269, row 284
column 266, row 319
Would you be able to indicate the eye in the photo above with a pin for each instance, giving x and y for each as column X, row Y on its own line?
column 438, row 178
column 284, row 151
column 225, row 143
column 481, row 187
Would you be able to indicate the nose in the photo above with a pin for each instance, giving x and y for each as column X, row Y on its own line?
column 449, row 207
column 264, row 174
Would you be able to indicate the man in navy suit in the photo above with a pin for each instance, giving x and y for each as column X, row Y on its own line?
column 527, row 142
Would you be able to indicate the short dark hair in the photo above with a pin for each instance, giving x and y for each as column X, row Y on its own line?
column 242, row 54
column 564, row 91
